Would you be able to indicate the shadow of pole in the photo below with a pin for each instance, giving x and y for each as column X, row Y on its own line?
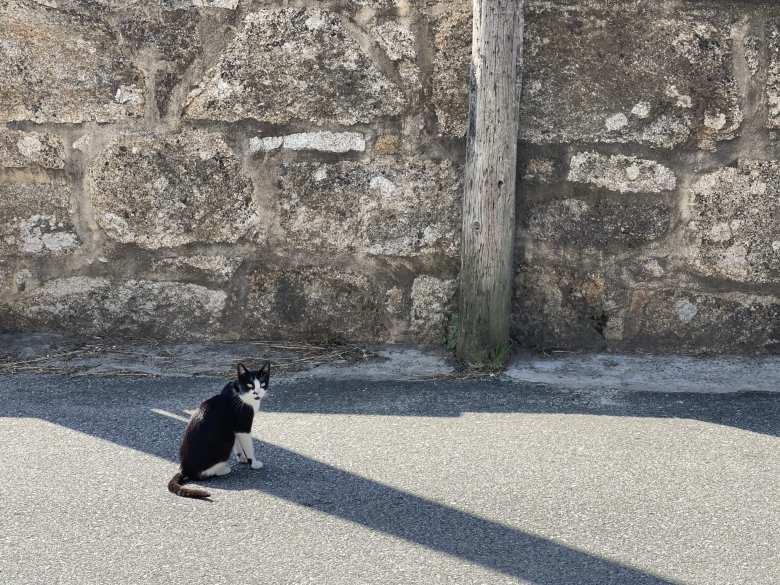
column 330, row 490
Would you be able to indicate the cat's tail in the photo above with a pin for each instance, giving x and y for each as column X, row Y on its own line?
column 176, row 486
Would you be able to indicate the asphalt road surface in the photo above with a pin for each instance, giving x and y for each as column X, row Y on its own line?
column 391, row 482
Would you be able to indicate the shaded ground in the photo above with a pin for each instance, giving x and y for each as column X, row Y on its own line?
column 392, row 482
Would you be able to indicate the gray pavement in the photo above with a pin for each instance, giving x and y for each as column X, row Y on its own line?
column 381, row 481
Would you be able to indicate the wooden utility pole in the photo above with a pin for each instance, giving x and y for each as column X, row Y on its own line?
column 489, row 192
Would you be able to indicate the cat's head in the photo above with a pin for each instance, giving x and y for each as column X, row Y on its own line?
column 253, row 384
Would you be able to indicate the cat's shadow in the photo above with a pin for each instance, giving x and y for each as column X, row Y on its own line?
column 241, row 477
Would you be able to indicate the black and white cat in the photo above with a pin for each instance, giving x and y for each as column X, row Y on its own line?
column 221, row 424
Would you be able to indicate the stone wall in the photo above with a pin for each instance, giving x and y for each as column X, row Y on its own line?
column 239, row 168
column 225, row 169
column 651, row 163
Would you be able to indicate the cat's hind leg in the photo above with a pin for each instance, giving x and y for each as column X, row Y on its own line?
column 221, row 468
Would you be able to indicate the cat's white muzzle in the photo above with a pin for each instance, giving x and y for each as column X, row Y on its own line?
column 258, row 391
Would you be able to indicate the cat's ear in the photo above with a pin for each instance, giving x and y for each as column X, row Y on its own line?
column 242, row 370
column 266, row 369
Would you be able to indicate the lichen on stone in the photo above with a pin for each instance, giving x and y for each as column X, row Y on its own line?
column 628, row 72
column 316, row 303
column 388, row 208
column 540, row 170
column 160, row 191
column 218, row 268
column 99, row 306
column 626, row 174
column 35, row 220
column 295, row 64
column 560, row 307
column 397, row 40
column 339, row 142
column 31, row 149
column 733, row 222
column 431, row 308
column 452, row 46
column 60, row 67
column 773, row 75
column 680, row 320
column 598, row 224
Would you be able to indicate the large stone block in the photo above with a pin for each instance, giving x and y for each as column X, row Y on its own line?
column 169, row 190
column 162, row 38
column 647, row 72
column 573, row 309
column 734, row 223
column 172, row 36
column 450, row 80
column 387, row 207
column 599, row 71
column 773, row 74
column 384, row 5
column 560, row 307
column 61, row 67
column 295, row 64
column 31, row 149
column 626, row 174
column 35, row 219
column 432, row 306
column 6, row 277
column 221, row 4
column 323, row 303
column 339, row 142
column 397, row 40
column 214, row 268
column 135, row 308
column 676, row 320
column 598, row 222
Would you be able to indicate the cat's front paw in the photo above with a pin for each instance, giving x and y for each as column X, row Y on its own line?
column 257, row 464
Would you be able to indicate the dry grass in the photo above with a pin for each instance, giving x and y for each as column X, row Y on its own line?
column 292, row 357
column 128, row 360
